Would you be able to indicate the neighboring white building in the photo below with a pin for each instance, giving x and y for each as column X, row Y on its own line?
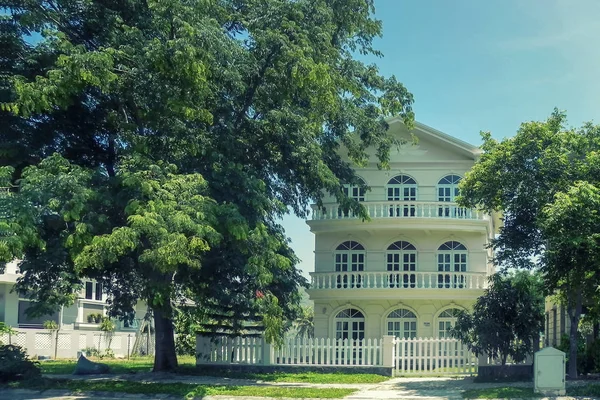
column 417, row 261
column 91, row 301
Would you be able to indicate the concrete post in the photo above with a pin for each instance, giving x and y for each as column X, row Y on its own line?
column 482, row 360
column 202, row 349
column 389, row 355
column 266, row 352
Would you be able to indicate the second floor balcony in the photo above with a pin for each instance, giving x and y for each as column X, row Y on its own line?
column 428, row 215
column 398, row 280
column 400, row 210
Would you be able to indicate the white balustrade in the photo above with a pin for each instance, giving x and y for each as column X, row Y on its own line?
column 400, row 280
column 400, row 209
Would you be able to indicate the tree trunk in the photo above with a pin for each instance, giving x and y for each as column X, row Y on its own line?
column 574, row 315
column 165, row 358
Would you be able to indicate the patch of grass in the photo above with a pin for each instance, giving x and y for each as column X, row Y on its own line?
column 117, row 366
column 591, row 390
column 187, row 366
column 289, row 377
column 186, row 390
column 506, row 392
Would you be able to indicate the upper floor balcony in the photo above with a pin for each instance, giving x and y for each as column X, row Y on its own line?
column 407, row 214
column 397, row 284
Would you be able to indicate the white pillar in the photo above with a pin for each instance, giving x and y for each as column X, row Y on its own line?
column 202, row 349
column 388, row 351
column 266, row 352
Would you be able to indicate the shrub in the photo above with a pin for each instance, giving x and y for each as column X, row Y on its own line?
column 593, row 355
column 15, row 365
column 90, row 352
column 584, row 362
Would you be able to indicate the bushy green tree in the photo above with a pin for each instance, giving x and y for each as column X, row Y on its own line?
column 521, row 177
column 155, row 144
column 506, row 320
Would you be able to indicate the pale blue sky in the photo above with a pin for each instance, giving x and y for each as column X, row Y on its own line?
column 476, row 65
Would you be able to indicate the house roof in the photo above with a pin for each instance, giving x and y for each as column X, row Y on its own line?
column 425, row 131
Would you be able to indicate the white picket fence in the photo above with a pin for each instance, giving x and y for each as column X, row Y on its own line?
column 425, row 356
column 295, row 351
column 330, row 352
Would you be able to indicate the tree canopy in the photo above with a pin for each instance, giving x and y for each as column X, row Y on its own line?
column 153, row 145
column 506, row 320
column 539, row 180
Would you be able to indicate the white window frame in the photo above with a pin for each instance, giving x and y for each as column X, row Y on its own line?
column 452, row 256
column 349, row 324
column 402, row 323
column 446, row 321
column 401, row 256
column 349, row 256
column 446, row 192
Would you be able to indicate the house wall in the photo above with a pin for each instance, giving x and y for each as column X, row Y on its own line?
column 376, row 311
column 556, row 322
column 426, row 176
column 376, row 243
column 434, row 156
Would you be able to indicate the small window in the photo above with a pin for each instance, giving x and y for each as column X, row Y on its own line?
column 98, row 291
column 89, row 290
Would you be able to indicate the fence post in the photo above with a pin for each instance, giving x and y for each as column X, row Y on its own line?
column 388, row 351
column 202, row 349
column 482, row 359
column 266, row 352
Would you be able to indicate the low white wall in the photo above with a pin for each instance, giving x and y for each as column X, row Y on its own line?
column 40, row 342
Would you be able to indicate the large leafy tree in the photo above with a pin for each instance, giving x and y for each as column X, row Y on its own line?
column 160, row 141
column 520, row 178
column 507, row 319
column 572, row 227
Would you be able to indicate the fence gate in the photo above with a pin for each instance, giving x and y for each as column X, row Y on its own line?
column 433, row 356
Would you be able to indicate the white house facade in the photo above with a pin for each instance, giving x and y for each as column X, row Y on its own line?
column 419, row 259
column 84, row 314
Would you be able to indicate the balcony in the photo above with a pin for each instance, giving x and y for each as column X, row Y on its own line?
column 405, row 284
column 401, row 210
column 392, row 215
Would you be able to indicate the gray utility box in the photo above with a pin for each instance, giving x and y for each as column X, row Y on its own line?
column 549, row 372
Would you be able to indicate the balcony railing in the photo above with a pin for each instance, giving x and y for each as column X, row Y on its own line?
column 401, row 209
column 399, row 280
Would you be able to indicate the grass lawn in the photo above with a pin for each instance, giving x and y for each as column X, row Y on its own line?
column 189, row 391
column 187, row 366
column 506, row 392
column 500, row 393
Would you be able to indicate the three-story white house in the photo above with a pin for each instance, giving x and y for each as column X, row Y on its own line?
column 419, row 259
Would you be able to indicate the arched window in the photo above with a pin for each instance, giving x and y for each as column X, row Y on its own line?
column 402, row 256
column 353, row 191
column 402, row 323
column 356, row 192
column 350, row 324
column 349, row 257
column 447, row 190
column 452, row 258
column 446, row 321
column 402, row 188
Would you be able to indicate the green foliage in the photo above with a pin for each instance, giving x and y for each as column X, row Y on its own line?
column 50, row 325
column 544, row 181
column 95, row 318
column 186, row 327
column 107, row 325
column 506, row 320
column 15, row 365
column 159, row 142
column 585, row 362
column 305, row 323
column 6, row 329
